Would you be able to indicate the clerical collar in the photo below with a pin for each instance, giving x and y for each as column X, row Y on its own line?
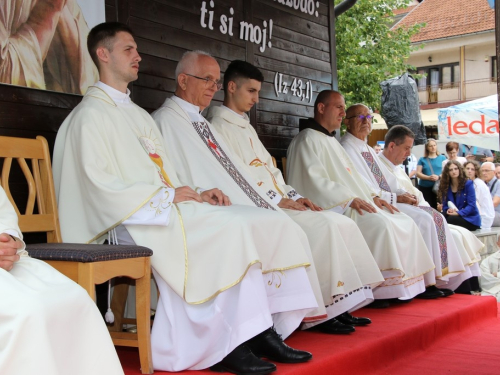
column 243, row 116
column 185, row 105
column 358, row 142
column 387, row 161
column 311, row 123
column 120, row 98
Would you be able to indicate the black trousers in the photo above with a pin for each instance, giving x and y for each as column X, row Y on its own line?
column 460, row 221
column 429, row 195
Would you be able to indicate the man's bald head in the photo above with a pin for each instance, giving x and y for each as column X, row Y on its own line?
column 329, row 109
column 198, row 75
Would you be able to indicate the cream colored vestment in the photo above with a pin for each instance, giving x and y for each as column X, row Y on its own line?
column 490, row 284
column 48, row 324
column 342, row 258
column 468, row 245
column 432, row 224
column 319, row 167
column 206, row 161
column 109, row 161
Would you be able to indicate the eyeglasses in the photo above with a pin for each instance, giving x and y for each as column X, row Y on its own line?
column 361, row 117
column 209, row 83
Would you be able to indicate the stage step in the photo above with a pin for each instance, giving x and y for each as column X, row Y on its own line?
column 396, row 334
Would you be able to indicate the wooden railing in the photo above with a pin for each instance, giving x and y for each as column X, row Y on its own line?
column 456, row 91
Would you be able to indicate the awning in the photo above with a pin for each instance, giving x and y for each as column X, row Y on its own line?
column 473, row 123
column 429, row 117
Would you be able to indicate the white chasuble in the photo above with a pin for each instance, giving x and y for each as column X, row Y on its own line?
column 490, row 276
column 319, row 167
column 431, row 223
column 205, row 161
column 339, row 250
column 467, row 244
column 48, row 323
column 110, row 163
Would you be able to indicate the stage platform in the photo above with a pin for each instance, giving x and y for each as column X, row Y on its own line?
column 455, row 335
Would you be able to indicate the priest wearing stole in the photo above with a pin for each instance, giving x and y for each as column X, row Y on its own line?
column 319, row 167
column 207, row 160
column 431, row 223
column 49, row 324
column 398, row 139
column 342, row 258
column 224, row 275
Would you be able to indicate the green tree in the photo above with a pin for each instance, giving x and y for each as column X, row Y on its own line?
column 368, row 51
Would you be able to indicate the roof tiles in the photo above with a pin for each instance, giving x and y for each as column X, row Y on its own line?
column 448, row 18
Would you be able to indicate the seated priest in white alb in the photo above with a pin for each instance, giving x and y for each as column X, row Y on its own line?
column 48, row 323
column 318, row 167
column 343, row 261
column 431, row 223
column 226, row 273
column 399, row 139
column 490, row 275
column 204, row 160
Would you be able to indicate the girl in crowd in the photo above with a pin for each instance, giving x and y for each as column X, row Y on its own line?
column 483, row 196
column 458, row 197
column 452, row 152
column 429, row 168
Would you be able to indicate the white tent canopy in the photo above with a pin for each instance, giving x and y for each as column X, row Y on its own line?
column 472, row 123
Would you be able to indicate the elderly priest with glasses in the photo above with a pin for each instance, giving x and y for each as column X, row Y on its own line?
column 318, row 167
column 449, row 271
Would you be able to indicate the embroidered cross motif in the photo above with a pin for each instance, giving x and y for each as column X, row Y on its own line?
column 377, row 173
column 208, row 138
column 439, row 222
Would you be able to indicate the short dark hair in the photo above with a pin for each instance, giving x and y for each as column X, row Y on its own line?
column 241, row 69
column 103, row 35
column 398, row 134
column 450, row 146
column 323, row 97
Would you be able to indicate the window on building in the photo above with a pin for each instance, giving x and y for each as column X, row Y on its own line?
column 439, row 76
column 494, row 70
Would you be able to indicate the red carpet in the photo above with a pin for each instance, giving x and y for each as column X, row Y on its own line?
column 455, row 335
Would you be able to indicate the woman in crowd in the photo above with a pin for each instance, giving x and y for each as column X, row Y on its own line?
column 452, row 152
column 483, row 196
column 429, row 168
column 458, row 197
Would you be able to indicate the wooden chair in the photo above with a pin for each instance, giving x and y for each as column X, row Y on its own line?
column 85, row 264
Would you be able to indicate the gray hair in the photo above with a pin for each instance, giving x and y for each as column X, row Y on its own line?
column 488, row 165
column 187, row 60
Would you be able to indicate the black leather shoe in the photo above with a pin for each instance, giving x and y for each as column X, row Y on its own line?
column 379, row 304
column 270, row 345
column 431, row 292
column 242, row 361
column 348, row 319
column 334, row 327
column 447, row 292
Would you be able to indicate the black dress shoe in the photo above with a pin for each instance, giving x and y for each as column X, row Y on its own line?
column 334, row 327
column 447, row 292
column 379, row 304
column 242, row 361
column 348, row 319
column 270, row 345
column 431, row 292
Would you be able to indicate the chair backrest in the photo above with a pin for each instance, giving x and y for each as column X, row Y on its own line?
column 33, row 157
